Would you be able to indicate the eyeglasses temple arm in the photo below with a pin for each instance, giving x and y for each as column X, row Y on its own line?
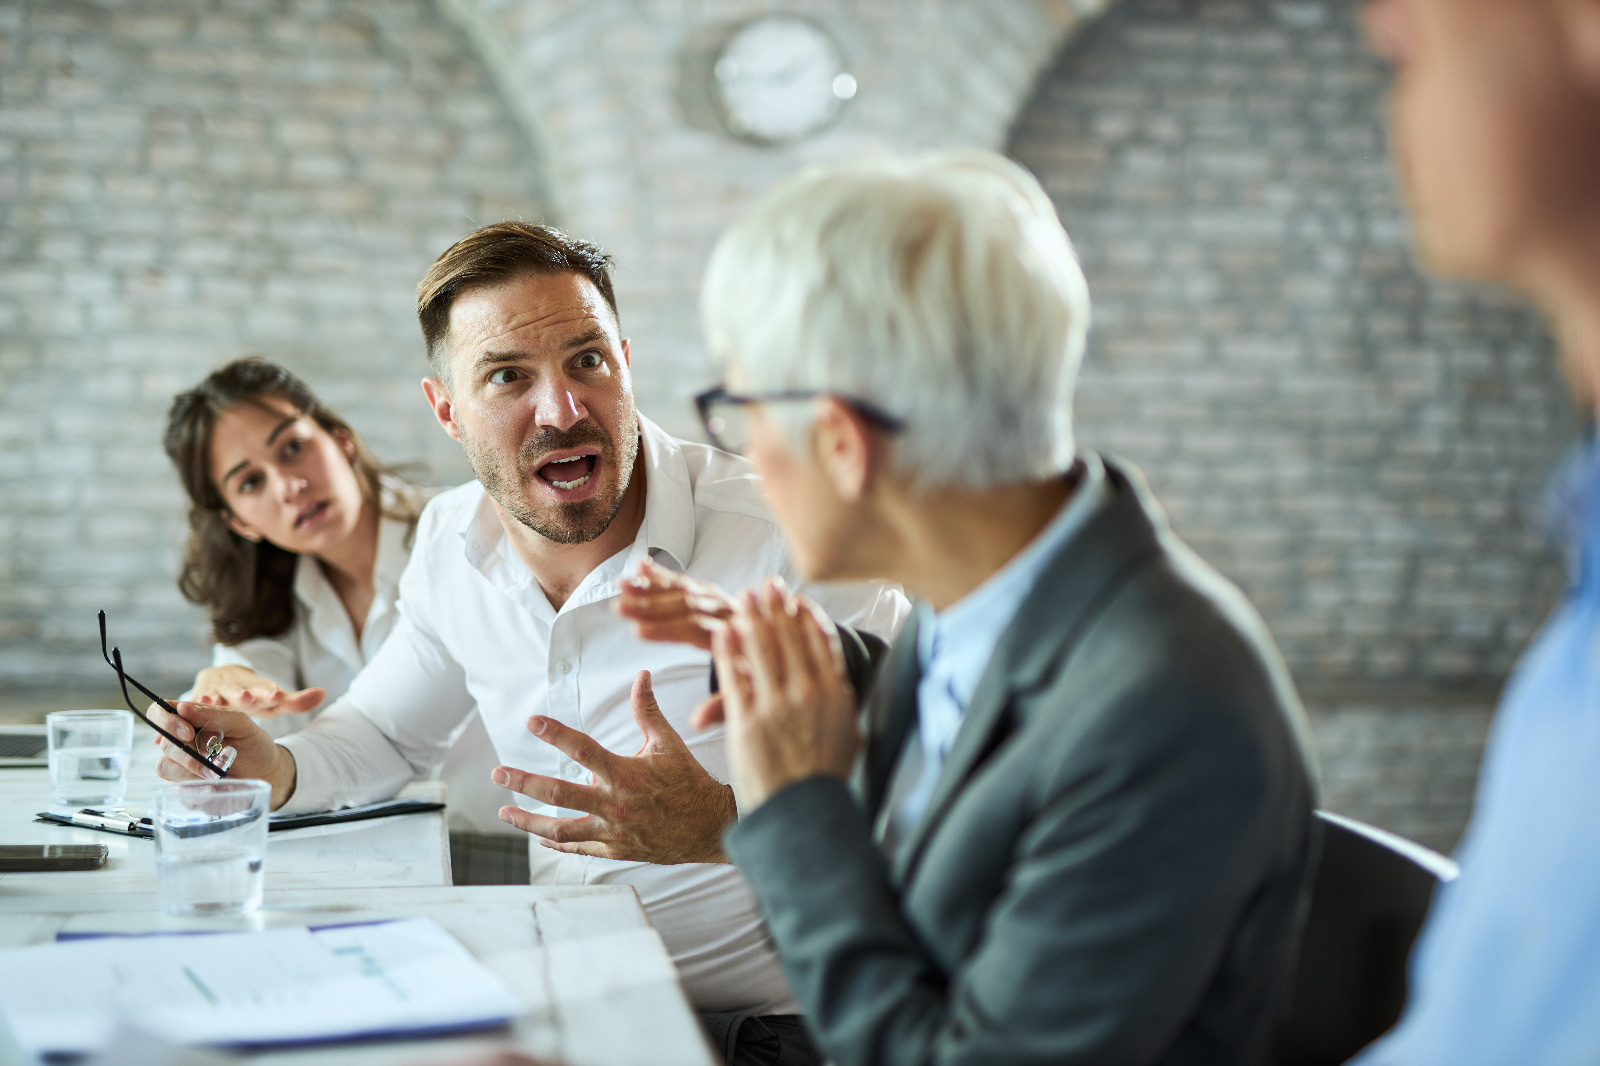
column 115, row 659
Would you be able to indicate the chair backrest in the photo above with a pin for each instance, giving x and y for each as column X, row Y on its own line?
column 1370, row 896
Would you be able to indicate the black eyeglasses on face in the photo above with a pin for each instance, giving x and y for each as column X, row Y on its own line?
column 114, row 660
column 719, row 412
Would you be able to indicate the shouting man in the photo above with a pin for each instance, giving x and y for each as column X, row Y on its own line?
column 508, row 606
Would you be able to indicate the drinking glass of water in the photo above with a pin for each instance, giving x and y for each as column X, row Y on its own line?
column 89, row 753
column 211, row 840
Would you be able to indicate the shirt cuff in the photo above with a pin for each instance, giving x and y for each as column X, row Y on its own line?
column 312, row 777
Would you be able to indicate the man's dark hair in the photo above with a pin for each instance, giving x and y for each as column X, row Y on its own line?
column 494, row 255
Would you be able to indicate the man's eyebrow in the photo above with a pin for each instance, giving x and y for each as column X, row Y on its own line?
column 582, row 340
column 493, row 358
column 589, row 336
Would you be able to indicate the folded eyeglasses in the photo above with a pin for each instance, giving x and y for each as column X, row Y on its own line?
column 215, row 757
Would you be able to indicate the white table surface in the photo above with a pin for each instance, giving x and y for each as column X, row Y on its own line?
column 410, row 849
column 599, row 984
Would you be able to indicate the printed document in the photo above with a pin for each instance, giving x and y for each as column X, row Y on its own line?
column 280, row 986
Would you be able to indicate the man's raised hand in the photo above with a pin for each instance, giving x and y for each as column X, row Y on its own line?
column 658, row 805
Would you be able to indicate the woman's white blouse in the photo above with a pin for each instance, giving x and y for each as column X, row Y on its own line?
column 320, row 650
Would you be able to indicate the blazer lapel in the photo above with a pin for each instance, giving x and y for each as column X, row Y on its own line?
column 979, row 723
column 891, row 710
column 1123, row 536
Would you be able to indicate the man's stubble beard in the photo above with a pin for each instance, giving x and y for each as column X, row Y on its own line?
column 575, row 523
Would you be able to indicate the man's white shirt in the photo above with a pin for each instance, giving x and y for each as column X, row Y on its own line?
column 320, row 648
column 476, row 629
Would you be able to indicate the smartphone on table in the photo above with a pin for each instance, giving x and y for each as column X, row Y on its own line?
column 22, row 858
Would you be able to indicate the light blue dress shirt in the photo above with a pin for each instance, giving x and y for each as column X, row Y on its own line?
column 1507, row 969
column 954, row 647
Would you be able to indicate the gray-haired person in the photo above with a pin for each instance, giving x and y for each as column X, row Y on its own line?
column 1072, row 823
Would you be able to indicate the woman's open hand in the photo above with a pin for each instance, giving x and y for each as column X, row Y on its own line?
column 670, row 607
column 789, row 706
column 242, row 689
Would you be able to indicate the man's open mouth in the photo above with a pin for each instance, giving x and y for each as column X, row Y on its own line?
column 572, row 472
column 311, row 513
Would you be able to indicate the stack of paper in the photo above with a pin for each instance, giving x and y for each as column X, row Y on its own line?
column 283, row 986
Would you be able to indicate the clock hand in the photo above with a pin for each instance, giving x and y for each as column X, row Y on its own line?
column 786, row 74
column 774, row 83
column 792, row 71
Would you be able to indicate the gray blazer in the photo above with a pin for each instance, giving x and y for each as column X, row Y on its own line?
column 1114, row 864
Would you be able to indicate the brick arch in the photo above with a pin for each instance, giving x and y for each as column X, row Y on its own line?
column 185, row 183
column 633, row 158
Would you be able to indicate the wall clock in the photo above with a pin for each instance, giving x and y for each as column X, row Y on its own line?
column 780, row 79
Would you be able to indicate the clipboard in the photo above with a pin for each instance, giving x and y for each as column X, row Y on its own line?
column 381, row 809
column 141, row 828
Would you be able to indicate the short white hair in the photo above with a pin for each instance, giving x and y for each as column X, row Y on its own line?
column 941, row 288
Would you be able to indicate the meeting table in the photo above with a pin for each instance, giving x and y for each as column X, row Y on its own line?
column 598, row 984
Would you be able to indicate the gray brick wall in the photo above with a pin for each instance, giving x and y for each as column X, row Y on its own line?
column 1358, row 446
column 182, row 182
column 1407, row 761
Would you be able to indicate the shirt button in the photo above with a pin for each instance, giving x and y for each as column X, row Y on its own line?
column 572, row 771
column 563, row 667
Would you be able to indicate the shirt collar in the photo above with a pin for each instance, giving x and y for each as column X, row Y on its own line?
column 394, row 536
column 668, row 524
column 977, row 620
column 669, row 496
column 482, row 533
column 311, row 585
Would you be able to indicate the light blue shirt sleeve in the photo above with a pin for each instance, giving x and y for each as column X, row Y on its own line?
column 1507, row 969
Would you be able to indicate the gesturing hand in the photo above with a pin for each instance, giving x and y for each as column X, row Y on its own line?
column 659, row 805
column 259, row 756
column 671, row 607
column 243, row 689
column 790, row 708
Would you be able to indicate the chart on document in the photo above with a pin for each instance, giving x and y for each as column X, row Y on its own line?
column 275, row 987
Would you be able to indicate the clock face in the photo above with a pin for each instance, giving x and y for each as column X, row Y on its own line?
column 780, row 79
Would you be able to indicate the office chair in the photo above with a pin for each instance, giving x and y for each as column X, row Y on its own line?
column 1370, row 896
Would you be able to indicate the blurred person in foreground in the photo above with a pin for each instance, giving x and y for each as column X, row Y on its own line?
column 506, row 607
column 1073, row 822
column 1496, row 130
column 297, row 539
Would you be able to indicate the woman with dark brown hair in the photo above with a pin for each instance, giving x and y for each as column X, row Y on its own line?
column 297, row 539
